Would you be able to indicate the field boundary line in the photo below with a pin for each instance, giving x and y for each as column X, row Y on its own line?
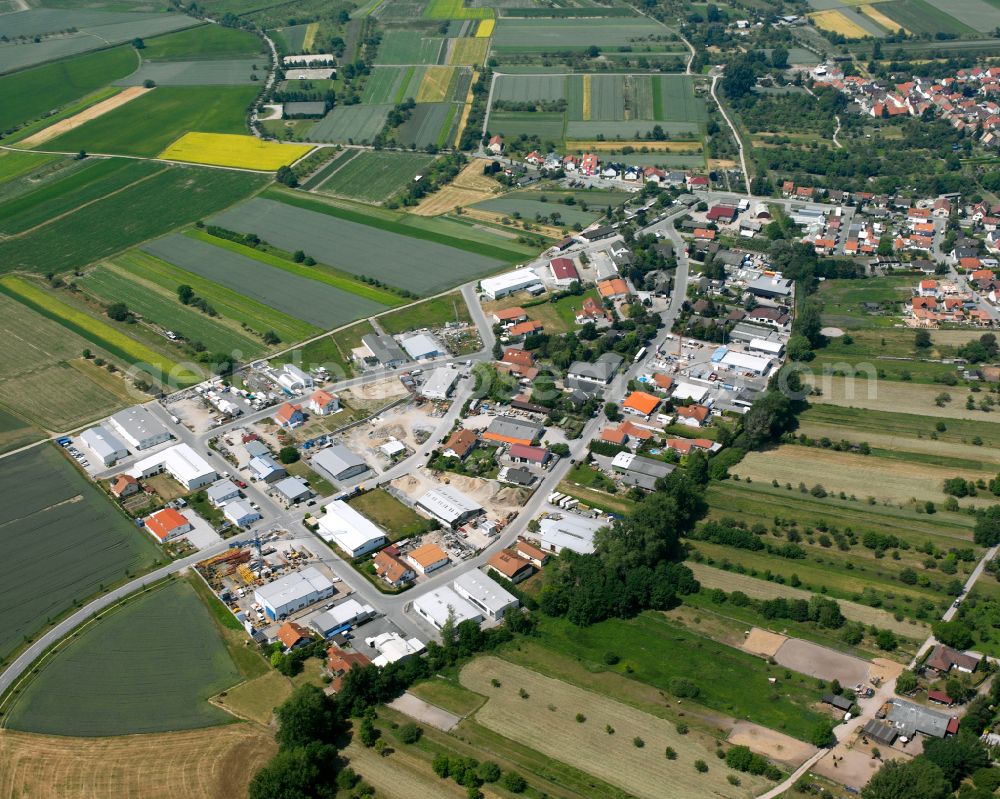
column 86, row 204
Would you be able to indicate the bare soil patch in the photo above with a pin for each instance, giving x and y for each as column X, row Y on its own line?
column 95, row 111
column 420, row 710
column 469, row 186
column 819, row 661
column 763, row 643
column 213, row 763
column 770, row 743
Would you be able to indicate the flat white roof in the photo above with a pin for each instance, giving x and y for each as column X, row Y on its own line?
column 437, row 604
column 103, row 442
column 181, row 461
column 139, row 424
column 347, row 611
column 570, row 532
column 764, row 345
column 509, row 280
column 448, row 503
column 484, row 592
column 293, row 587
column 420, row 346
column 439, row 382
column 393, row 647
column 237, row 510
column 351, row 530
column 685, row 391
column 741, row 360
column 221, row 490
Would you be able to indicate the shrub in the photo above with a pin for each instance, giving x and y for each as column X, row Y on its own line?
column 670, row 753
column 409, row 733
column 700, row 766
column 512, row 782
column 638, row 743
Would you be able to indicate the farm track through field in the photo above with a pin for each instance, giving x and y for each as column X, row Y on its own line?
column 84, row 205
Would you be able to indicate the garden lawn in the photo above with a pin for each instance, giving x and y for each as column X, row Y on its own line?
column 33, row 92
column 64, row 542
column 148, row 124
column 433, row 313
column 398, row 520
column 176, row 196
column 149, row 666
column 312, row 301
column 729, row 681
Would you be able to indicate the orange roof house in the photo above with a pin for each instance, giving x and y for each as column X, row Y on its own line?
column 339, row 662
column 970, row 264
column 289, row 415
column 509, row 315
column 663, row 382
column 511, row 565
column 427, row 558
column 641, row 403
column 461, row 443
column 704, row 233
column 525, row 328
column 124, row 485
column 528, row 551
column 614, row 435
column 692, row 415
column 392, row 569
column 166, row 524
column 293, row 635
column 683, row 446
column 518, row 357
column 616, row 287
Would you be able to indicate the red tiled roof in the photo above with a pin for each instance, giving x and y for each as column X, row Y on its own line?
column 564, row 269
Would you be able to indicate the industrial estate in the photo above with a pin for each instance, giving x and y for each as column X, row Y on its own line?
column 571, row 398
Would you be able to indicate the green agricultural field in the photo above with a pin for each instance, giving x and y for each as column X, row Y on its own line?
column 392, row 84
column 433, row 313
column 313, row 301
column 554, row 35
column 375, row 176
column 230, row 304
column 17, row 163
column 409, row 258
column 547, row 126
column 644, row 645
column 919, row 16
column 397, row 519
column 586, row 208
column 339, row 160
column 15, row 432
column 233, row 72
column 429, row 124
column 37, row 376
column 64, row 542
column 205, row 41
column 96, row 29
column 409, row 47
column 332, row 352
column 99, row 332
column 351, row 124
column 678, row 100
column 530, row 88
column 155, row 304
column 149, row 666
column 64, row 195
column 455, row 9
column 291, row 38
column 34, row 92
column 176, row 196
column 321, row 272
column 980, row 16
column 148, row 124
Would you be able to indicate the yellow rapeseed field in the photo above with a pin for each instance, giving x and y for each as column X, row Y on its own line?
column 877, row 16
column 838, row 22
column 227, row 149
column 485, row 29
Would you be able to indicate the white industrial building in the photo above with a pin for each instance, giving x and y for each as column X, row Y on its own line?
column 348, row 613
column 241, row 513
column 519, row 280
column 689, row 391
column 222, row 492
column 421, row 346
column 392, row 647
column 293, row 379
column 339, row 462
column 139, row 428
column 773, row 349
column 747, row 363
column 105, row 446
column 293, row 592
column 181, row 462
column 449, row 506
column 570, row 532
column 292, row 489
column 437, row 605
column 440, row 382
column 349, row 530
column 485, row 593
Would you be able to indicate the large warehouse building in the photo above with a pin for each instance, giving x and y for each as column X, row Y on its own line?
column 294, row 592
column 485, row 593
column 519, row 280
column 339, row 462
column 139, row 428
column 103, row 443
column 349, row 530
column 437, row 605
column 181, row 462
column 449, row 506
